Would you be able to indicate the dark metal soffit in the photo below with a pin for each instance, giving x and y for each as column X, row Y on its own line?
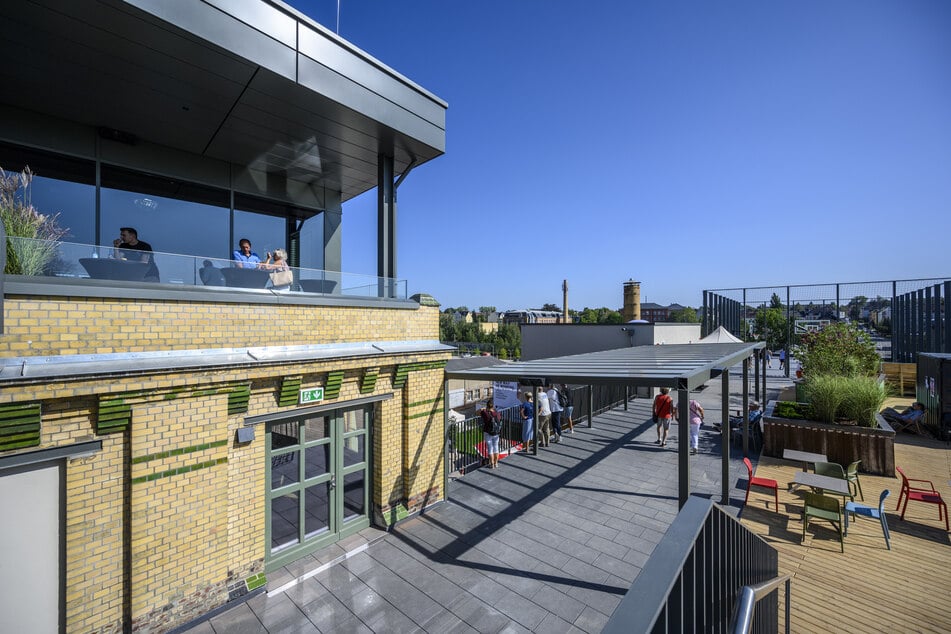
column 679, row 366
column 250, row 82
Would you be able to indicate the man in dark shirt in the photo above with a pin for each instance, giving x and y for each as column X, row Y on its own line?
column 127, row 241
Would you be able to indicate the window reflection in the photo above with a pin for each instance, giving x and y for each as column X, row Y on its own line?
column 266, row 233
column 61, row 185
column 172, row 216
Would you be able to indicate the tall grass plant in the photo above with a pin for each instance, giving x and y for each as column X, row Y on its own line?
column 31, row 236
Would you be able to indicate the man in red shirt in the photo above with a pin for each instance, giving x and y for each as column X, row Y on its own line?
column 664, row 411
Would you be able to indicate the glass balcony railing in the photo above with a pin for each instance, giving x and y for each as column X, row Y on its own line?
column 73, row 261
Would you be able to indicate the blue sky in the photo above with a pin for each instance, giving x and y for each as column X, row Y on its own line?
column 687, row 145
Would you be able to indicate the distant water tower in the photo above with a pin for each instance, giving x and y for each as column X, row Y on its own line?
column 632, row 300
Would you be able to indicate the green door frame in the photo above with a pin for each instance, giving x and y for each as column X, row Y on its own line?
column 338, row 525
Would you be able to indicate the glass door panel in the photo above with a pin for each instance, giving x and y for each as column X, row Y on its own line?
column 354, row 495
column 318, row 472
column 317, row 505
column 285, row 521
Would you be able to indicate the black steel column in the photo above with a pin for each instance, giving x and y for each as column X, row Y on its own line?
column 920, row 339
column 683, row 449
column 386, row 222
column 746, row 326
column 788, row 345
column 590, row 406
column 947, row 316
column 837, row 311
column 894, row 320
column 725, row 437
column 704, row 323
column 756, row 376
column 746, row 404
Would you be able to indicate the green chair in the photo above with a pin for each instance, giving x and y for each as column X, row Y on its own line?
column 832, row 470
column 852, row 474
column 824, row 508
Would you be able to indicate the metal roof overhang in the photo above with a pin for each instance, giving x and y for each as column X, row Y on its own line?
column 679, row 366
column 250, row 82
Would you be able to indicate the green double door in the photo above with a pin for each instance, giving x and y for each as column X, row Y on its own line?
column 318, row 481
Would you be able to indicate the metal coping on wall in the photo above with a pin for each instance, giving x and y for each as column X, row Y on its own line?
column 317, row 409
column 54, row 453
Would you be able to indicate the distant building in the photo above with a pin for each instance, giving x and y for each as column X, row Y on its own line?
column 532, row 316
column 654, row 313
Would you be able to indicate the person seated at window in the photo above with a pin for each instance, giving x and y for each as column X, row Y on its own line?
column 280, row 261
column 129, row 247
column 909, row 415
column 244, row 257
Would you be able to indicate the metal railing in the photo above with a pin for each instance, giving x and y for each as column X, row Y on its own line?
column 912, row 313
column 70, row 261
column 694, row 578
column 464, row 437
column 751, row 595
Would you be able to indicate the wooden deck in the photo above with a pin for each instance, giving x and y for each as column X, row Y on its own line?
column 868, row 588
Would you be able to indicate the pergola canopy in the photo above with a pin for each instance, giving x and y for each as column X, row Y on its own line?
column 678, row 366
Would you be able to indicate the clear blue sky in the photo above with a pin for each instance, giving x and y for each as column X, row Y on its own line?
column 687, row 145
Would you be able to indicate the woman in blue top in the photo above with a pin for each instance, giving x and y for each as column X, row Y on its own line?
column 527, row 411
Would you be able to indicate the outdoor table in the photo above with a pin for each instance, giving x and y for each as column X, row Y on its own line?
column 826, row 483
column 115, row 269
column 805, row 458
column 245, row 278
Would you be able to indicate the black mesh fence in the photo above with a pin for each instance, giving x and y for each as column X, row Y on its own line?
column 904, row 317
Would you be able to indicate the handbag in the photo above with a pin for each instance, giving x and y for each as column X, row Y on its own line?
column 282, row 278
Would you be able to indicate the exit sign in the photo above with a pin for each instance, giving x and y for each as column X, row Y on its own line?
column 313, row 395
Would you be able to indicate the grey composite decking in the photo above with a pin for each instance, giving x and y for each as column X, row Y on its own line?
column 548, row 543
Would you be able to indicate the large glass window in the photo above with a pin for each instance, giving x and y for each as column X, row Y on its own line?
column 312, row 243
column 173, row 216
column 61, row 185
column 264, row 223
column 266, row 233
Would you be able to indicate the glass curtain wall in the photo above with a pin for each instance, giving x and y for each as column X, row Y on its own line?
column 172, row 215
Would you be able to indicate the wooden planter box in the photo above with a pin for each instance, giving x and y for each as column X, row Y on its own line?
column 842, row 444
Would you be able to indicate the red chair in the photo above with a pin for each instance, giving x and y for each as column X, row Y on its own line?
column 766, row 483
column 928, row 495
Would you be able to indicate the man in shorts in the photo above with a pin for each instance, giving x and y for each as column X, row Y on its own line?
column 664, row 412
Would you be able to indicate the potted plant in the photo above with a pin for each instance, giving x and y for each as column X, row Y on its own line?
column 31, row 236
column 842, row 397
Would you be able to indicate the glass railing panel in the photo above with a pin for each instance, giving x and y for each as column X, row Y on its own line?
column 70, row 260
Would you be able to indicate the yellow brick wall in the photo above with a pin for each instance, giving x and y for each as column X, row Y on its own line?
column 179, row 520
column 61, row 326
column 423, row 431
column 95, row 515
column 194, row 533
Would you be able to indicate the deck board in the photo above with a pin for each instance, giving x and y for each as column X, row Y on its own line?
column 882, row 590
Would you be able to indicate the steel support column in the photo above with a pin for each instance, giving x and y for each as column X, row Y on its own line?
column 746, row 404
column 386, row 223
column 725, row 437
column 590, row 406
column 683, row 448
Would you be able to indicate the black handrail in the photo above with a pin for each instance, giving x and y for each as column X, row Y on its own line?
column 694, row 577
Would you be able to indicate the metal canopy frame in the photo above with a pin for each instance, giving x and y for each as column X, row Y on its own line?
column 681, row 367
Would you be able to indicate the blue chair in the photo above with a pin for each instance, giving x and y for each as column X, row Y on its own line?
column 870, row 511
